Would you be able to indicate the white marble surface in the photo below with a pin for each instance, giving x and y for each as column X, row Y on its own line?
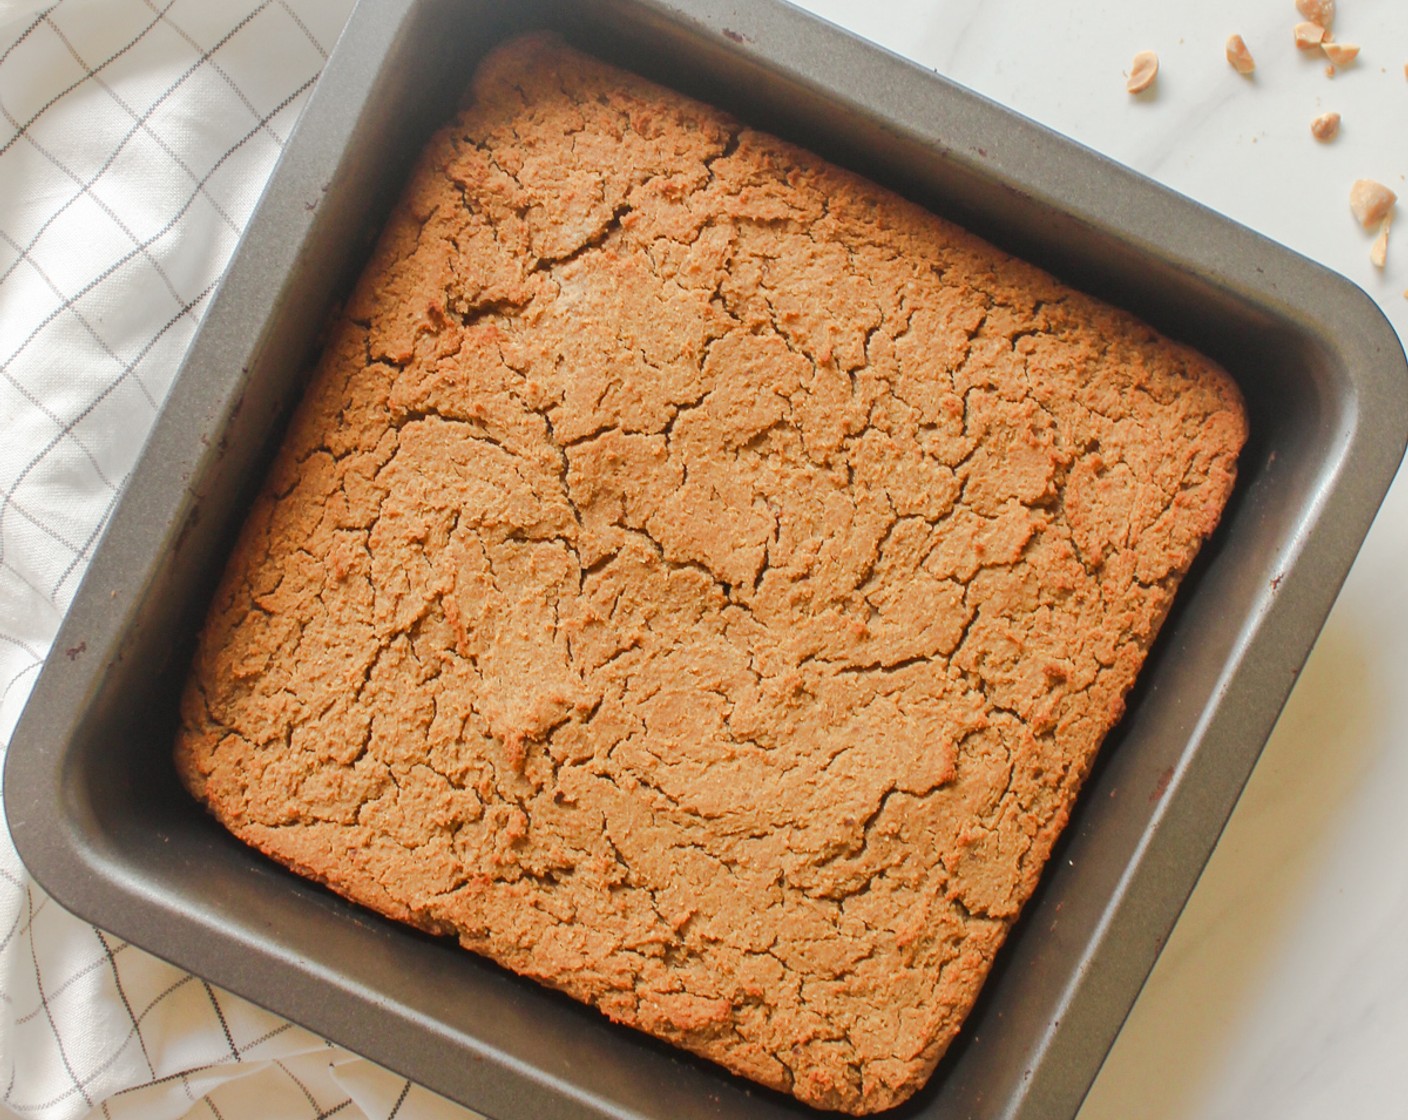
column 1284, row 989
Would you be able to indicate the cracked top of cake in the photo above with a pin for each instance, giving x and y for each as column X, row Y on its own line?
column 699, row 579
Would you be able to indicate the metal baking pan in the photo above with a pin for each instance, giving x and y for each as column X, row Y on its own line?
column 90, row 790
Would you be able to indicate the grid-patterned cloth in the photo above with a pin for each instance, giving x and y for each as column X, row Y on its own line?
column 136, row 136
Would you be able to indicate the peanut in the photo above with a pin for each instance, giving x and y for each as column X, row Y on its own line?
column 1340, row 53
column 1238, row 55
column 1318, row 11
column 1370, row 201
column 1143, row 72
column 1325, row 127
column 1378, row 254
column 1309, row 35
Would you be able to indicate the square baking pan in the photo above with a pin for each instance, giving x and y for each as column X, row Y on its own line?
column 90, row 789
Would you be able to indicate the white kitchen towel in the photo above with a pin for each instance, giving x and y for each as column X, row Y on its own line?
column 136, row 137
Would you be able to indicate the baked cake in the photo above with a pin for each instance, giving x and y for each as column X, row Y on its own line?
column 700, row 580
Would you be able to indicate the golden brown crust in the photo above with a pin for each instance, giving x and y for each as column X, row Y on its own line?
column 700, row 580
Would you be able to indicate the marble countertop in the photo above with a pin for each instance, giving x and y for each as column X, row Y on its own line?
column 1283, row 990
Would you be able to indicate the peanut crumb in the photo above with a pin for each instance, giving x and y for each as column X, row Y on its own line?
column 1378, row 254
column 1370, row 201
column 1325, row 127
column 1143, row 72
column 1308, row 35
column 1238, row 55
column 1340, row 54
column 1321, row 12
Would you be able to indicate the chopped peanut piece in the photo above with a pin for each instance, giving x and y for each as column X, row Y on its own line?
column 1309, row 35
column 1325, row 127
column 1340, row 53
column 1238, row 55
column 1318, row 11
column 1370, row 201
column 1143, row 72
column 1378, row 255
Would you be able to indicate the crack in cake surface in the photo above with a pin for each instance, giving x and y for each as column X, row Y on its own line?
column 700, row 580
